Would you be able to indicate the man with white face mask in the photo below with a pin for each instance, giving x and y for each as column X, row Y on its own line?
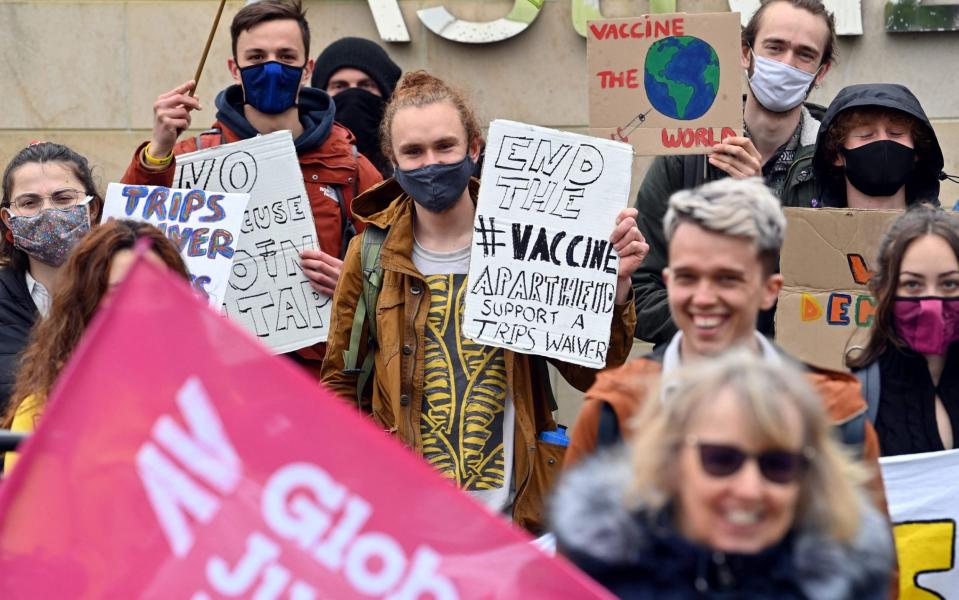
column 787, row 48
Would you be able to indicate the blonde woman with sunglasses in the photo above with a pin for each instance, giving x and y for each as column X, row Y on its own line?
column 735, row 489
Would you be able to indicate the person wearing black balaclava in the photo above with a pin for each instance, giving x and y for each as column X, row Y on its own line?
column 360, row 77
column 876, row 149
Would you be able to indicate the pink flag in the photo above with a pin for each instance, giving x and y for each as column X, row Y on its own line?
column 178, row 459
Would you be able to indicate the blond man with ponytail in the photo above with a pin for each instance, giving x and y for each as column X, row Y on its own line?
column 474, row 412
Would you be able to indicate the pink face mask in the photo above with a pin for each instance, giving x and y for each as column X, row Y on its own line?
column 927, row 324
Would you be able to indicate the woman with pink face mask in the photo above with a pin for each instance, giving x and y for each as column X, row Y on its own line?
column 910, row 366
column 49, row 203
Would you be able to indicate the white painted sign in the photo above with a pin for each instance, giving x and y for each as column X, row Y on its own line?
column 268, row 292
column 542, row 276
column 205, row 226
column 921, row 490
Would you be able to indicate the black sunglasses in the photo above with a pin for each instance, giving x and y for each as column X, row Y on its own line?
column 777, row 466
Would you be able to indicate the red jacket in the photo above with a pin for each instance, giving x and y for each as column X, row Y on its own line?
column 334, row 163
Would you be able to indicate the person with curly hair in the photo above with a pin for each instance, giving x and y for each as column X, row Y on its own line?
column 97, row 265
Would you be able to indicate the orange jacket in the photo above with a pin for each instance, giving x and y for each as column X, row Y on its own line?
column 839, row 392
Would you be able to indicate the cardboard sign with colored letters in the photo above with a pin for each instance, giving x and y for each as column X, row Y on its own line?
column 205, row 226
column 825, row 308
column 204, row 468
column 666, row 83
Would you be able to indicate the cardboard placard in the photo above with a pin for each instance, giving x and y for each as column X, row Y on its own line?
column 268, row 292
column 220, row 471
column 921, row 491
column 825, row 308
column 204, row 226
column 666, row 84
column 542, row 276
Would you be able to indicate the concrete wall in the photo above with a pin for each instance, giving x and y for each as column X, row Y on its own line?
column 86, row 73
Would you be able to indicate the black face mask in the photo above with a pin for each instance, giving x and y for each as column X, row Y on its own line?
column 879, row 168
column 361, row 112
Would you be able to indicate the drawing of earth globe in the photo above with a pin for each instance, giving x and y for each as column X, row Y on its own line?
column 682, row 76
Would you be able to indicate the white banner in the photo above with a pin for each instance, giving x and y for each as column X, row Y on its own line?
column 268, row 292
column 542, row 276
column 922, row 492
column 204, row 226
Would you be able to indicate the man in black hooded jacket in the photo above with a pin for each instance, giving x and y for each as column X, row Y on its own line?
column 876, row 149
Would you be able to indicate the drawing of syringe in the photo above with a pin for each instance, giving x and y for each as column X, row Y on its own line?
column 622, row 133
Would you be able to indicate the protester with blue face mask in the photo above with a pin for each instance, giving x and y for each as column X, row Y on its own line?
column 787, row 47
column 474, row 412
column 271, row 67
column 877, row 149
column 49, row 203
column 910, row 366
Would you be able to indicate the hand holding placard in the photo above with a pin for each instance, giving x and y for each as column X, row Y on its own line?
column 738, row 157
column 629, row 243
column 322, row 269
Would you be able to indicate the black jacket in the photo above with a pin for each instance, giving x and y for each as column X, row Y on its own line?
column 669, row 174
column 831, row 181
column 639, row 554
column 17, row 314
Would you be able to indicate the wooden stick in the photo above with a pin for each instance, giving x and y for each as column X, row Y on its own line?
column 206, row 49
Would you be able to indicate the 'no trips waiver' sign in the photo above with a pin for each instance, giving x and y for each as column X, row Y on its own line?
column 268, row 292
column 542, row 276
column 666, row 84
column 825, row 307
column 205, row 227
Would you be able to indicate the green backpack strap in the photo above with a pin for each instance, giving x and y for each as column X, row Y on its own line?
column 366, row 309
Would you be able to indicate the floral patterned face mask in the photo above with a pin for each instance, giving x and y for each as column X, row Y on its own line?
column 50, row 235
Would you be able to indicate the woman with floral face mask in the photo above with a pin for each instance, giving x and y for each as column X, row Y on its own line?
column 910, row 366
column 49, row 203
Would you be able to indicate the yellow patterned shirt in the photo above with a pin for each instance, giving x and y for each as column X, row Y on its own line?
column 467, row 419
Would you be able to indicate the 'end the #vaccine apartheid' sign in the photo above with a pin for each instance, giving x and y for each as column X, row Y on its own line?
column 224, row 472
column 542, row 277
